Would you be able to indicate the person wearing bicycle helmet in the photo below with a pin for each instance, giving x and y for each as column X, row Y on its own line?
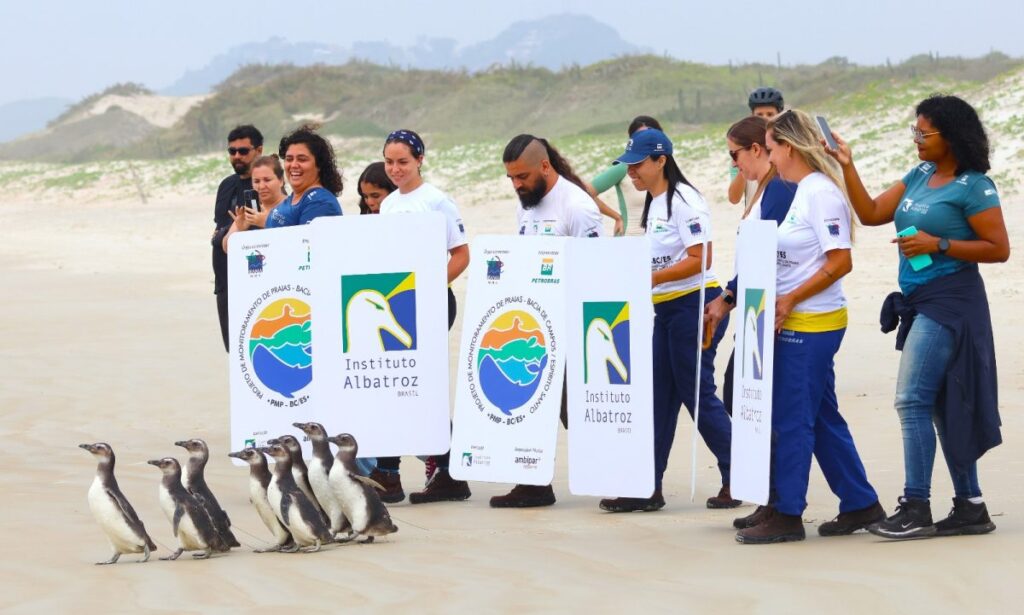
column 766, row 103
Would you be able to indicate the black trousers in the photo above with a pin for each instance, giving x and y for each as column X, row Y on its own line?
column 222, row 314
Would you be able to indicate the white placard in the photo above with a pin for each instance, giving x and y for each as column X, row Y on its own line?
column 381, row 332
column 754, row 317
column 609, row 322
column 269, row 314
column 510, row 366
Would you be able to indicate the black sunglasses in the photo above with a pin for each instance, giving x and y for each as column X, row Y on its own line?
column 735, row 153
column 241, row 151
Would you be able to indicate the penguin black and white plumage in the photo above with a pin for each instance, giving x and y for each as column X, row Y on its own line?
column 259, row 480
column 112, row 510
column 299, row 470
column 358, row 494
column 190, row 522
column 318, row 473
column 194, row 480
column 292, row 507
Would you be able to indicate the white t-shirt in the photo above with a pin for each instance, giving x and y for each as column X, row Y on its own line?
column 818, row 221
column 428, row 198
column 565, row 211
column 689, row 225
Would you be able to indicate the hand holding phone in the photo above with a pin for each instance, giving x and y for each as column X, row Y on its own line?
column 826, row 132
column 251, row 199
column 919, row 262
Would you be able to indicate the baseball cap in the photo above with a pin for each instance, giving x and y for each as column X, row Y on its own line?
column 643, row 144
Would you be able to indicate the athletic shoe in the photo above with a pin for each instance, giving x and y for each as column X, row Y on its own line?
column 913, row 519
column 429, row 468
column 849, row 522
column 723, row 499
column 621, row 505
column 392, row 483
column 760, row 514
column 525, row 496
column 965, row 518
column 442, row 488
column 776, row 527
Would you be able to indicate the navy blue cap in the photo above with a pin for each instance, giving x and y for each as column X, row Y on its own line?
column 643, row 144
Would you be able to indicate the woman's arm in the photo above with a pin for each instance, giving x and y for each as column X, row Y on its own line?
column 686, row 267
column 991, row 246
column 611, row 213
column 458, row 262
column 838, row 263
column 870, row 211
column 737, row 187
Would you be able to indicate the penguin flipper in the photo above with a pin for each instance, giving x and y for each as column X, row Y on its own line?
column 366, row 480
column 179, row 512
column 286, row 507
column 130, row 517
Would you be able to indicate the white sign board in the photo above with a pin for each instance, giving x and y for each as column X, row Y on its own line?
column 510, row 365
column 381, row 332
column 609, row 322
column 754, row 317
column 270, row 359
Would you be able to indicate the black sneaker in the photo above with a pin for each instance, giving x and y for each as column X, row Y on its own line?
column 525, row 496
column 965, row 518
column 620, row 505
column 849, row 522
column 913, row 519
column 442, row 488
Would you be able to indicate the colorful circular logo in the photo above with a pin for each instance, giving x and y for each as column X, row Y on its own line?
column 279, row 346
column 511, row 359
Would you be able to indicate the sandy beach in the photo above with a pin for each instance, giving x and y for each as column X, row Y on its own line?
column 112, row 336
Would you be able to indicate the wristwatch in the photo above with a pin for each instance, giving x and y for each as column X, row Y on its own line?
column 943, row 245
column 728, row 298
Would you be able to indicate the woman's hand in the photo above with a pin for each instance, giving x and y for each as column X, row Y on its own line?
column 842, row 155
column 716, row 311
column 256, row 218
column 783, row 307
column 239, row 217
column 917, row 244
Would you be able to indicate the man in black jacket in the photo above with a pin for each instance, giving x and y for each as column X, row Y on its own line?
column 245, row 144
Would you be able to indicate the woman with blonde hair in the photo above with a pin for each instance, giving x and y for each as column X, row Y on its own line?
column 815, row 242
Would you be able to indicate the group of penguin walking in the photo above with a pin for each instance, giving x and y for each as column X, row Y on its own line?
column 303, row 506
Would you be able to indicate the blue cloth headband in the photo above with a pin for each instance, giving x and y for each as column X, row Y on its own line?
column 410, row 139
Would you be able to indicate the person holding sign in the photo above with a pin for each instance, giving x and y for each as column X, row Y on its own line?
column 814, row 248
column 311, row 170
column 613, row 176
column 268, row 182
column 403, row 156
column 552, row 202
column 677, row 220
column 947, row 211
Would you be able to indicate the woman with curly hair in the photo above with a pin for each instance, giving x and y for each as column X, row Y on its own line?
column 948, row 219
column 312, row 172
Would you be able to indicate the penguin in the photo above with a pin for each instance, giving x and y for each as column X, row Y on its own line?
column 190, row 522
column 358, row 494
column 259, row 479
column 295, row 511
column 318, row 472
column 195, row 481
column 299, row 469
column 112, row 511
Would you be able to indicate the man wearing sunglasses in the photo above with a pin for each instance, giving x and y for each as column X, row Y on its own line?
column 245, row 144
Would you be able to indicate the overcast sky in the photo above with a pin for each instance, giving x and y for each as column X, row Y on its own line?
column 72, row 48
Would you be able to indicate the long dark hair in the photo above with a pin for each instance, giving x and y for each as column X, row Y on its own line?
column 518, row 145
column 675, row 176
column 643, row 121
column 323, row 153
column 373, row 174
column 960, row 126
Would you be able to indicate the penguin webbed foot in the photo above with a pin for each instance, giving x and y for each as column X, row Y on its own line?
column 289, row 548
column 314, row 548
column 273, row 549
column 172, row 556
column 204, row 555
column 366, row 540
column 145, row 555
column 113, row 560
column 342, row 538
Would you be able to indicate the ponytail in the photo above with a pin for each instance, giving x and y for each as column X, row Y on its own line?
column 518, row 145
column 675, row 176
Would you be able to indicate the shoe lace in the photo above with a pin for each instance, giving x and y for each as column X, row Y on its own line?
column 430, row 468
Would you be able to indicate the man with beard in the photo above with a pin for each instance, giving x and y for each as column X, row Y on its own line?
column 245, row 144
column 552, row 202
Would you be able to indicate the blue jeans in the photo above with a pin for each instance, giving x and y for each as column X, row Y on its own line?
column 675, row 344
column 926, row 356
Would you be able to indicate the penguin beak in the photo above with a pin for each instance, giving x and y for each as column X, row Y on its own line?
column 153, row 462
column 301, row 426
column 182, row 443
column 273, row 441
column 87, row 447
column 236, row 454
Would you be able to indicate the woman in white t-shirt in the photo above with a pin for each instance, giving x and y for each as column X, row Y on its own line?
column 678, row 223
column 815, row 241
column 403, row 156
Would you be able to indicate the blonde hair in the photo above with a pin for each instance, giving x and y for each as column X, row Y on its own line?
column 796, row 128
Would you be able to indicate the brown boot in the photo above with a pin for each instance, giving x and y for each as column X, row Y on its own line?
column 777, row 527
column 760, row 514
column 618, row 505
column 525, row 496
column 848, row 523
column 392, row 483
column 442, row 488
column 723, row 499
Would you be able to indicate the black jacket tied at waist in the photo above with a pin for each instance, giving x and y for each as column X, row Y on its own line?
column 968, row 399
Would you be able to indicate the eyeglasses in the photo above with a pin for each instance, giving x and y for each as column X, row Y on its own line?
column 919, row 136
column 735, row 153
column 241, row 151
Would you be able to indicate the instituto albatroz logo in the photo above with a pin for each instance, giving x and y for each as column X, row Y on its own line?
column 510, row 363
column 605, row 342
column 378, row 312
column 275, row 349
column 753, row 334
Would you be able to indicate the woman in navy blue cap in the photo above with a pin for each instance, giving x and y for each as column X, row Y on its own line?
column 678, row 222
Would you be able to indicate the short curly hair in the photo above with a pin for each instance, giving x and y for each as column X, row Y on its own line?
column 961, row 127
column 323, row 153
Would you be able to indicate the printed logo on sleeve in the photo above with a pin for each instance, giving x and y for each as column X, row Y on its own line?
column 832, row 224
column 694, row 225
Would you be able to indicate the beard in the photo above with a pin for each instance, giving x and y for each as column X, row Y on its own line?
column 240, row 167
column 531, row 198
